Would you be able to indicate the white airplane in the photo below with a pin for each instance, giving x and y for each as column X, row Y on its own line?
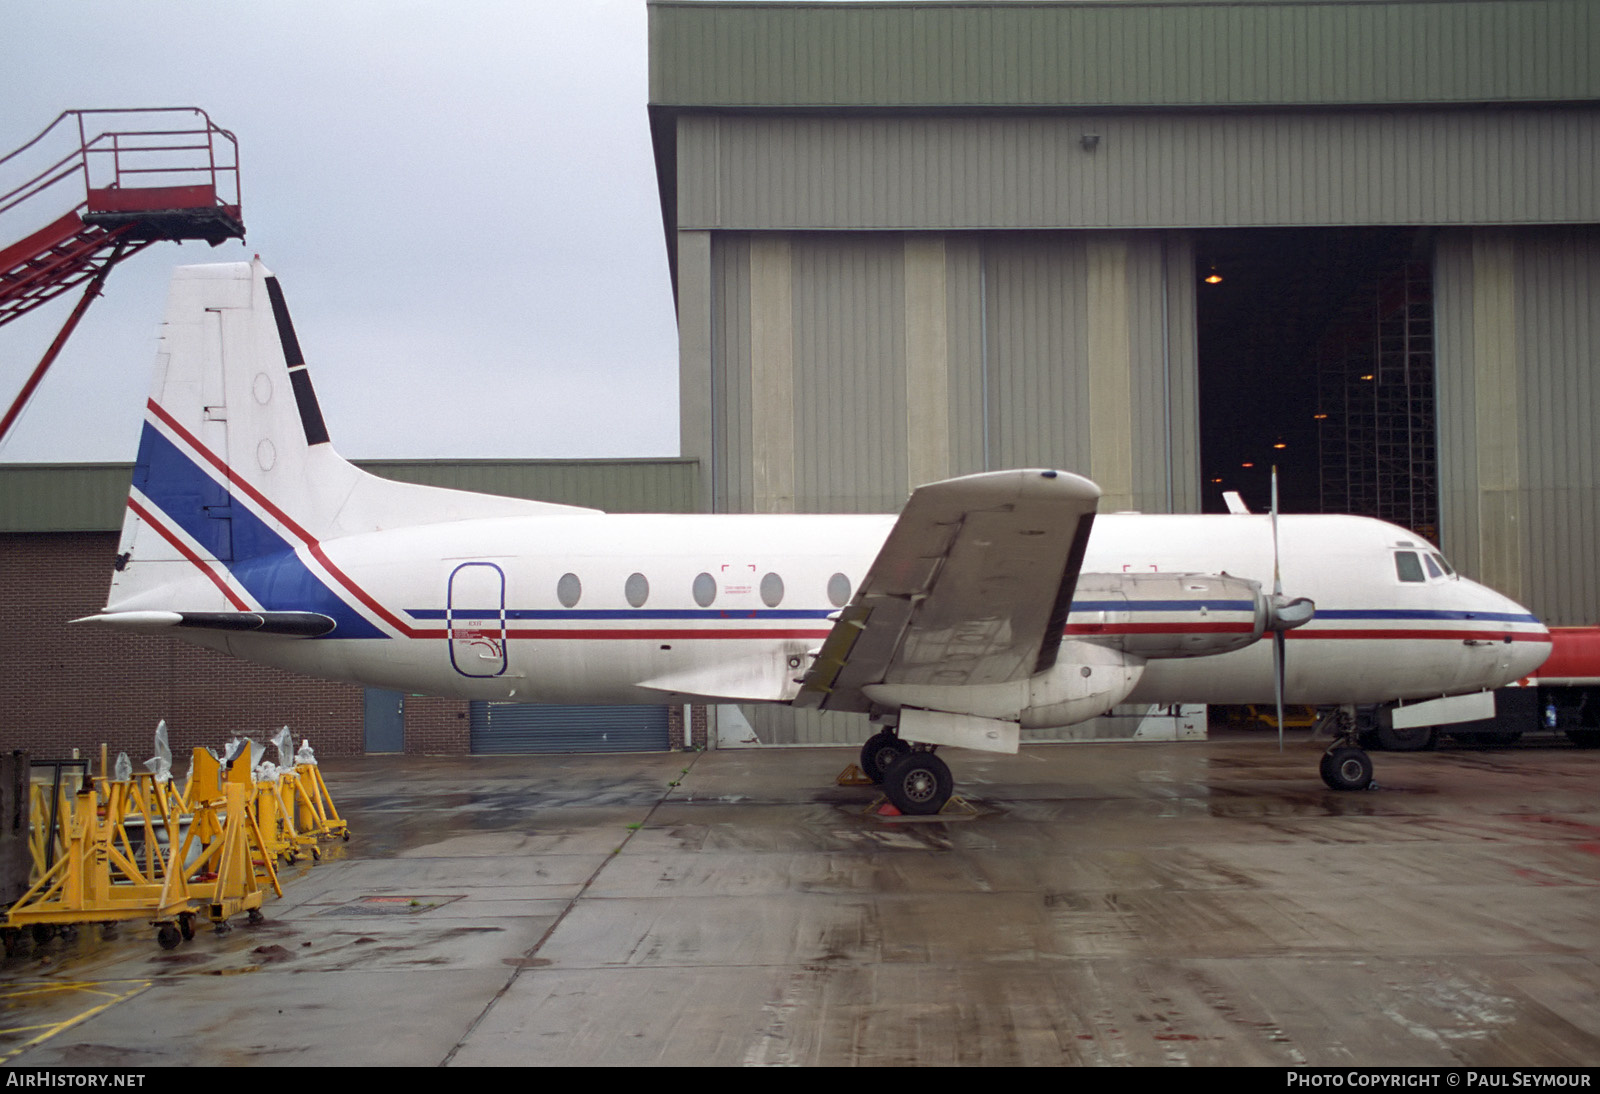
column 986, row 606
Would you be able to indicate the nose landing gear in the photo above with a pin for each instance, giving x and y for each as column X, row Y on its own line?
column 1345, row 765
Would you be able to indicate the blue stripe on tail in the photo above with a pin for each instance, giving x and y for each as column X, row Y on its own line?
column 259, row 558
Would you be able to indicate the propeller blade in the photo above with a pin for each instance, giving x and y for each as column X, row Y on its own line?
column 1277, row 604
column 1277, row 680
column 1277, row 576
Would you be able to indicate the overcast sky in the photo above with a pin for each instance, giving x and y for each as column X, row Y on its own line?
column 459, row 199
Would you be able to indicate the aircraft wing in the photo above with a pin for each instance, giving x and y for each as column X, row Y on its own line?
column 972, row 586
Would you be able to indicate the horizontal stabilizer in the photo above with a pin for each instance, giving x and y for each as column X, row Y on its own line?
column 289, row 624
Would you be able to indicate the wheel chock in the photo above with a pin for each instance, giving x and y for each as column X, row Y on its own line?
column 853, row 776
column 957, row 808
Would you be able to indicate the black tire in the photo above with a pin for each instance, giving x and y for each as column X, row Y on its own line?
column 880, row 751
column 918, row 784
column 1346, row 769
column 168, row 936
column 186, row 925
column 1415, row 739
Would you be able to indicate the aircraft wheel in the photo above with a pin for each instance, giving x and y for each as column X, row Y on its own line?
column 881, row 750
column 1346, row 769
column 918, row 784
column 1415, row 739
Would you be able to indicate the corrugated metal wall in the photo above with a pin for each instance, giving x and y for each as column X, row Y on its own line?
column 1519, row 454
column 1558, row 328
column 849, row 392
column 1144, row 54
column 815, row 403
column 91, row 497
column 1239, row 169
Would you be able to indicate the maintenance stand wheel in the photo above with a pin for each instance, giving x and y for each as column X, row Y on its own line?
column 186, row 925
column 168, row 936
column 881, row 750
column 918, row 784
column 1346, row 769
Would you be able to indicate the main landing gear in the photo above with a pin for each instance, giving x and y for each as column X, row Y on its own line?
column 914, row 780
column 880, row 751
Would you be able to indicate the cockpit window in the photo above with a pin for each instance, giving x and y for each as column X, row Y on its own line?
column 1407, row 566
column 1443, row 565
column 1433, row 567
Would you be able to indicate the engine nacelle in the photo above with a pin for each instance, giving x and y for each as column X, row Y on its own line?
column 1158, row 615
column 1087, row 679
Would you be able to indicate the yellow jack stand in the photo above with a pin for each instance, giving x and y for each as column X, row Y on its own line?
column 99, row 874
column 274, row 807
column 314, row 809
column 226, row 876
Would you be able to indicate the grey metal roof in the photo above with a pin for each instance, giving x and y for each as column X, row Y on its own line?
column 1171, row 53
column 89, row 497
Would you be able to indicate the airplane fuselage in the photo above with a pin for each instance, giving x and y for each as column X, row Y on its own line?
column 653, row 608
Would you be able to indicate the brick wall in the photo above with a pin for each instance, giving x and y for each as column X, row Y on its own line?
column 64, row 687
column 437, row 727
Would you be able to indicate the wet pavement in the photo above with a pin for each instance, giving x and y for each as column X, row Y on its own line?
column 1191, row 903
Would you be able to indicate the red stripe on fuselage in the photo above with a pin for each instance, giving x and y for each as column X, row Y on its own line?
column 183, row 549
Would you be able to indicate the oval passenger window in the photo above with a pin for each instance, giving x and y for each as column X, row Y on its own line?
column 637, row 590
column 568, row 590
column 772, row 590
column 838, row 590
column 705, row 590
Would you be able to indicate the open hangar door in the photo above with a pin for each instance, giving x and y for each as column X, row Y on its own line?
column 1316, row 355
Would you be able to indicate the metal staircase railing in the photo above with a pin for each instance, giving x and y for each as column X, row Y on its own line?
column 154, row 179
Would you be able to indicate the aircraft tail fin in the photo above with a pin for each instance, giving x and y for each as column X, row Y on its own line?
column 235, row 464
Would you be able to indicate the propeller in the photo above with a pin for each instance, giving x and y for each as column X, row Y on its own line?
column 1283, row 614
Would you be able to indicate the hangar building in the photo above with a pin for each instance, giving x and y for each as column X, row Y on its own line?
column 914, row 240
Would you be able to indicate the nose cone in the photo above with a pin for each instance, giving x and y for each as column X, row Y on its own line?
column 1524, row 641
column 1528, row 654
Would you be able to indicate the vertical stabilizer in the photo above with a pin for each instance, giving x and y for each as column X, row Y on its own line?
column 235, row 467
